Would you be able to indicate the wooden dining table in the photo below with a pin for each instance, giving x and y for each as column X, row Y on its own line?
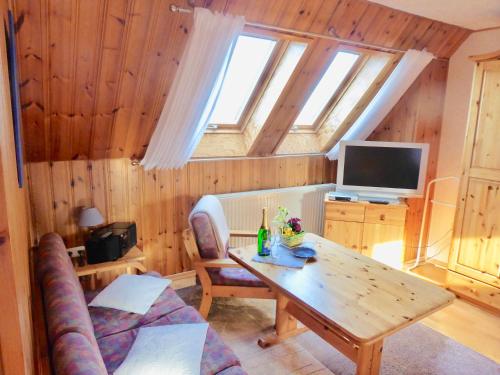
column 350, row 300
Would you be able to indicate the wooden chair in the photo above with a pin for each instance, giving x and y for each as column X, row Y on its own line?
column 206, row 244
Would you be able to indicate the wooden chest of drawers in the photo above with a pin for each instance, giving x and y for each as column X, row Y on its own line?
column 371, row 229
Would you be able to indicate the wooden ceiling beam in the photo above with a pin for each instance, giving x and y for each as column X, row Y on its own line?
column 292, row 99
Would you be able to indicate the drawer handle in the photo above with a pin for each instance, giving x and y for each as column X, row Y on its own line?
column 365, row 247
column 382, row 217
column 342, row 212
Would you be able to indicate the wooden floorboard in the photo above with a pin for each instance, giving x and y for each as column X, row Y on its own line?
column 469, row 325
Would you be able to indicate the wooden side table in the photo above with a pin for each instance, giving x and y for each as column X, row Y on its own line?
column 133, row 260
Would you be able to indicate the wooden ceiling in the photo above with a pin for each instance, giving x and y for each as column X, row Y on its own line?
column 95, row 73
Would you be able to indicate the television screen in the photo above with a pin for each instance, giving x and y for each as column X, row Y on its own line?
column 382, row 167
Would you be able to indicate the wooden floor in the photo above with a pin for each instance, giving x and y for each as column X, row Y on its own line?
column 240, row 327
column 461, row 321
column 472, row 326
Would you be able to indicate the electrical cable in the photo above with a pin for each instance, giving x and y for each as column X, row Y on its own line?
column 434, row 243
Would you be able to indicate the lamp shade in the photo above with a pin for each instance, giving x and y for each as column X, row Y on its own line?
column 90, row 217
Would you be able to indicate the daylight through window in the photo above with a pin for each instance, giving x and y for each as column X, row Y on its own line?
column 248, row 61
column 326, row 88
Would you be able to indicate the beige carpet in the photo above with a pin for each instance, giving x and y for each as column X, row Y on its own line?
column 416, row 350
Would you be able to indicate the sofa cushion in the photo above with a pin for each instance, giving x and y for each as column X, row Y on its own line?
column 52, row 257
column 216, row 355
column 234, row 277
column 65, row 307
column 110, row 321
column 73, row 354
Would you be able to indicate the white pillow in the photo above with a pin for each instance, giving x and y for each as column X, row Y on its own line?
column 132, row 293
column 174, row 349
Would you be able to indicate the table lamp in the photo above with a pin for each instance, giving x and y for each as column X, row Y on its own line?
column 90, row 217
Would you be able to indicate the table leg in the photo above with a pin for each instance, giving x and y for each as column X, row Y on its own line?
column 369, row 358
column 286, row 324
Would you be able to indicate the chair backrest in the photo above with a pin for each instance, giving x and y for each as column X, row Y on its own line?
column 210, row 229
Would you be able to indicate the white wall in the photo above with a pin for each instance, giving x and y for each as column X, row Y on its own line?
column 456, row 108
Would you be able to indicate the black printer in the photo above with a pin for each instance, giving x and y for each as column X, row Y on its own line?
column 110, row 242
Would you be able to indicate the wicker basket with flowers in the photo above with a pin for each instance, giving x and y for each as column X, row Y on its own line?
column 291, row 232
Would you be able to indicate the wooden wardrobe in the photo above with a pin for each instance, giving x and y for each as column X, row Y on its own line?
column 476, row 239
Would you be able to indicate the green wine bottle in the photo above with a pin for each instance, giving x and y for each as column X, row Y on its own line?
column 264, row 236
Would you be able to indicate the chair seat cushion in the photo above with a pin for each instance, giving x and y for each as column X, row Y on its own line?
column 234, row 277
column 108, row 321
column 216, row 355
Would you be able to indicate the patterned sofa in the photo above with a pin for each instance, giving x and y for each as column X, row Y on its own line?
column 89, row 340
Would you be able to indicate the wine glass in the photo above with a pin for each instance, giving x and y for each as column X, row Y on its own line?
column 275, row 238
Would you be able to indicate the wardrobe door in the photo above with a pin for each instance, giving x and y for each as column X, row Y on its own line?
column 478, row 252
column 476, row 243
column 486, row 151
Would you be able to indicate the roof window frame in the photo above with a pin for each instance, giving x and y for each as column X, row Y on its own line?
column 283, row 40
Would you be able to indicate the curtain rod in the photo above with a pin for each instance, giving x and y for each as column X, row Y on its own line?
column 177, row 9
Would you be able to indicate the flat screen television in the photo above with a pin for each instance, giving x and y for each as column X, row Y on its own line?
column 382, row 168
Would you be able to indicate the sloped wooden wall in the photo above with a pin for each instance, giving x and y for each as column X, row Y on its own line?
column 158, row 201
column 417, row 117
column 95, row 73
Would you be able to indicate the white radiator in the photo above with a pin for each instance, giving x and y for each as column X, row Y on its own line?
column 244, row 210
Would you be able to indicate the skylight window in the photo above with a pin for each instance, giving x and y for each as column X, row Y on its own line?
column 280, row 78
column 326, row 88
column 248, row 61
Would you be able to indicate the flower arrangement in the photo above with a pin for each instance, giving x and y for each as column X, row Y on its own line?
column 291, row 232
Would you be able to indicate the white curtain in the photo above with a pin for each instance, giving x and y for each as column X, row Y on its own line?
column 196, row 85
column 406, row 72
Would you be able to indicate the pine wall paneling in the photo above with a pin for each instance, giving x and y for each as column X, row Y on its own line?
column 95, row 74
column 158, row 201
column 417, row 117
column 16, row 354
column 125, row 192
